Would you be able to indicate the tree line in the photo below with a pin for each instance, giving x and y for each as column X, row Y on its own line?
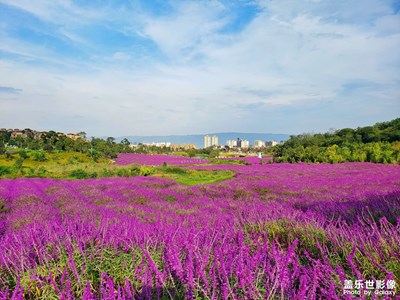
column 95, row 148
column 379, row 143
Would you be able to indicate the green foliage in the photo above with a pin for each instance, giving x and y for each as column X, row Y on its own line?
column 123, row 172
column 18, row 163
column 41, row 172
column 94, row 154
column 175, row 170
column 23, row 154
column 216, row 161
column 39, row 155
column 5, row 170
column 146, row 170
column 135, row 170
column 193, row 177
column 79, row 174
column 74, row 165
column 213, row 154
column 378, row 144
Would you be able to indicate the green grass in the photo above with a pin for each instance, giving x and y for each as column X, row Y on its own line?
column 193, row 177
column 238, row 161
column 72, row 165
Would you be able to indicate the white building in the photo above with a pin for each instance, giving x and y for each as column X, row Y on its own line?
column 231, row 143
column 210, row 141
column 245, row 144
column 207, row 141
column 271, row 143
column 259, row 144
column 214, row 140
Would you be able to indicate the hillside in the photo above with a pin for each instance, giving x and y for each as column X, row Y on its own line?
column 379, row 143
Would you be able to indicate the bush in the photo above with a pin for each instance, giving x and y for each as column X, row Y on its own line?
column 39, row 155
column 30, row 172
column 41, row 172
column 79, row 174
column 175, row 170
column 135, row 170
column 146, row 171
column 4, row 170
column 18, row 163
column 123, row 172
column 23, row 154
column 107, row 173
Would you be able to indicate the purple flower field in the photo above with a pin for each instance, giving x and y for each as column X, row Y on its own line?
column 274, row 231
column 156, row 159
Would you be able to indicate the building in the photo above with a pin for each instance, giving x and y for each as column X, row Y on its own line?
column 259, row 144
column 207, row 141
column 271, row 143
column 210, row 141
column 231, row 143
column 158, row 144
column 17, row 133
column 239, row 143
column 176, row 147
column 214, row 140
column 245, row 144
column 73, row 136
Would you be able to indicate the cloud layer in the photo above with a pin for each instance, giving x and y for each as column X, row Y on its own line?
column 177, row 67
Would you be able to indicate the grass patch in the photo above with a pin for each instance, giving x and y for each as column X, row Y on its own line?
column 193, row 177
column 72, row 165
column 227, row 161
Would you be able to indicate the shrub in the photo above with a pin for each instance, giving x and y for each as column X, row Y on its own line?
column 135, row 170
column 41, row 172
column 18, row 163
column 4, row 170
column 107, row 173
column 146, row 171
column 79, row 174
column 123, row 173
column 23, row 154
column 175, row 170
column 39, row 155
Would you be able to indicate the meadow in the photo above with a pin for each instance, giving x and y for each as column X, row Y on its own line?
column 230, row 231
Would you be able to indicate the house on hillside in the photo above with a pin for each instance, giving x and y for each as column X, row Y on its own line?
column 16, row 133
column 73, row 136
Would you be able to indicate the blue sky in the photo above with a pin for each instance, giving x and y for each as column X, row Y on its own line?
column 133, row 67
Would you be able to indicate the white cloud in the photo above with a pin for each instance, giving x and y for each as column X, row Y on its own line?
column 290, row 53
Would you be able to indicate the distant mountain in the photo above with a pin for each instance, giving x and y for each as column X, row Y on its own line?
column 198, row 139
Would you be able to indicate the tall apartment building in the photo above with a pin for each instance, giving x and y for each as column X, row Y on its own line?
column 214, row 140
column 231, row 143
column 210, row 141
column 207, row 141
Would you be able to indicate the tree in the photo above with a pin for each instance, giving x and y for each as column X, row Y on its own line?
column 214, row 153
column 39, row 155
column 110, row 140
column 82, row 134
column 125, row 142
column 94, row 154
column 23, row 154
column 2, row 147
